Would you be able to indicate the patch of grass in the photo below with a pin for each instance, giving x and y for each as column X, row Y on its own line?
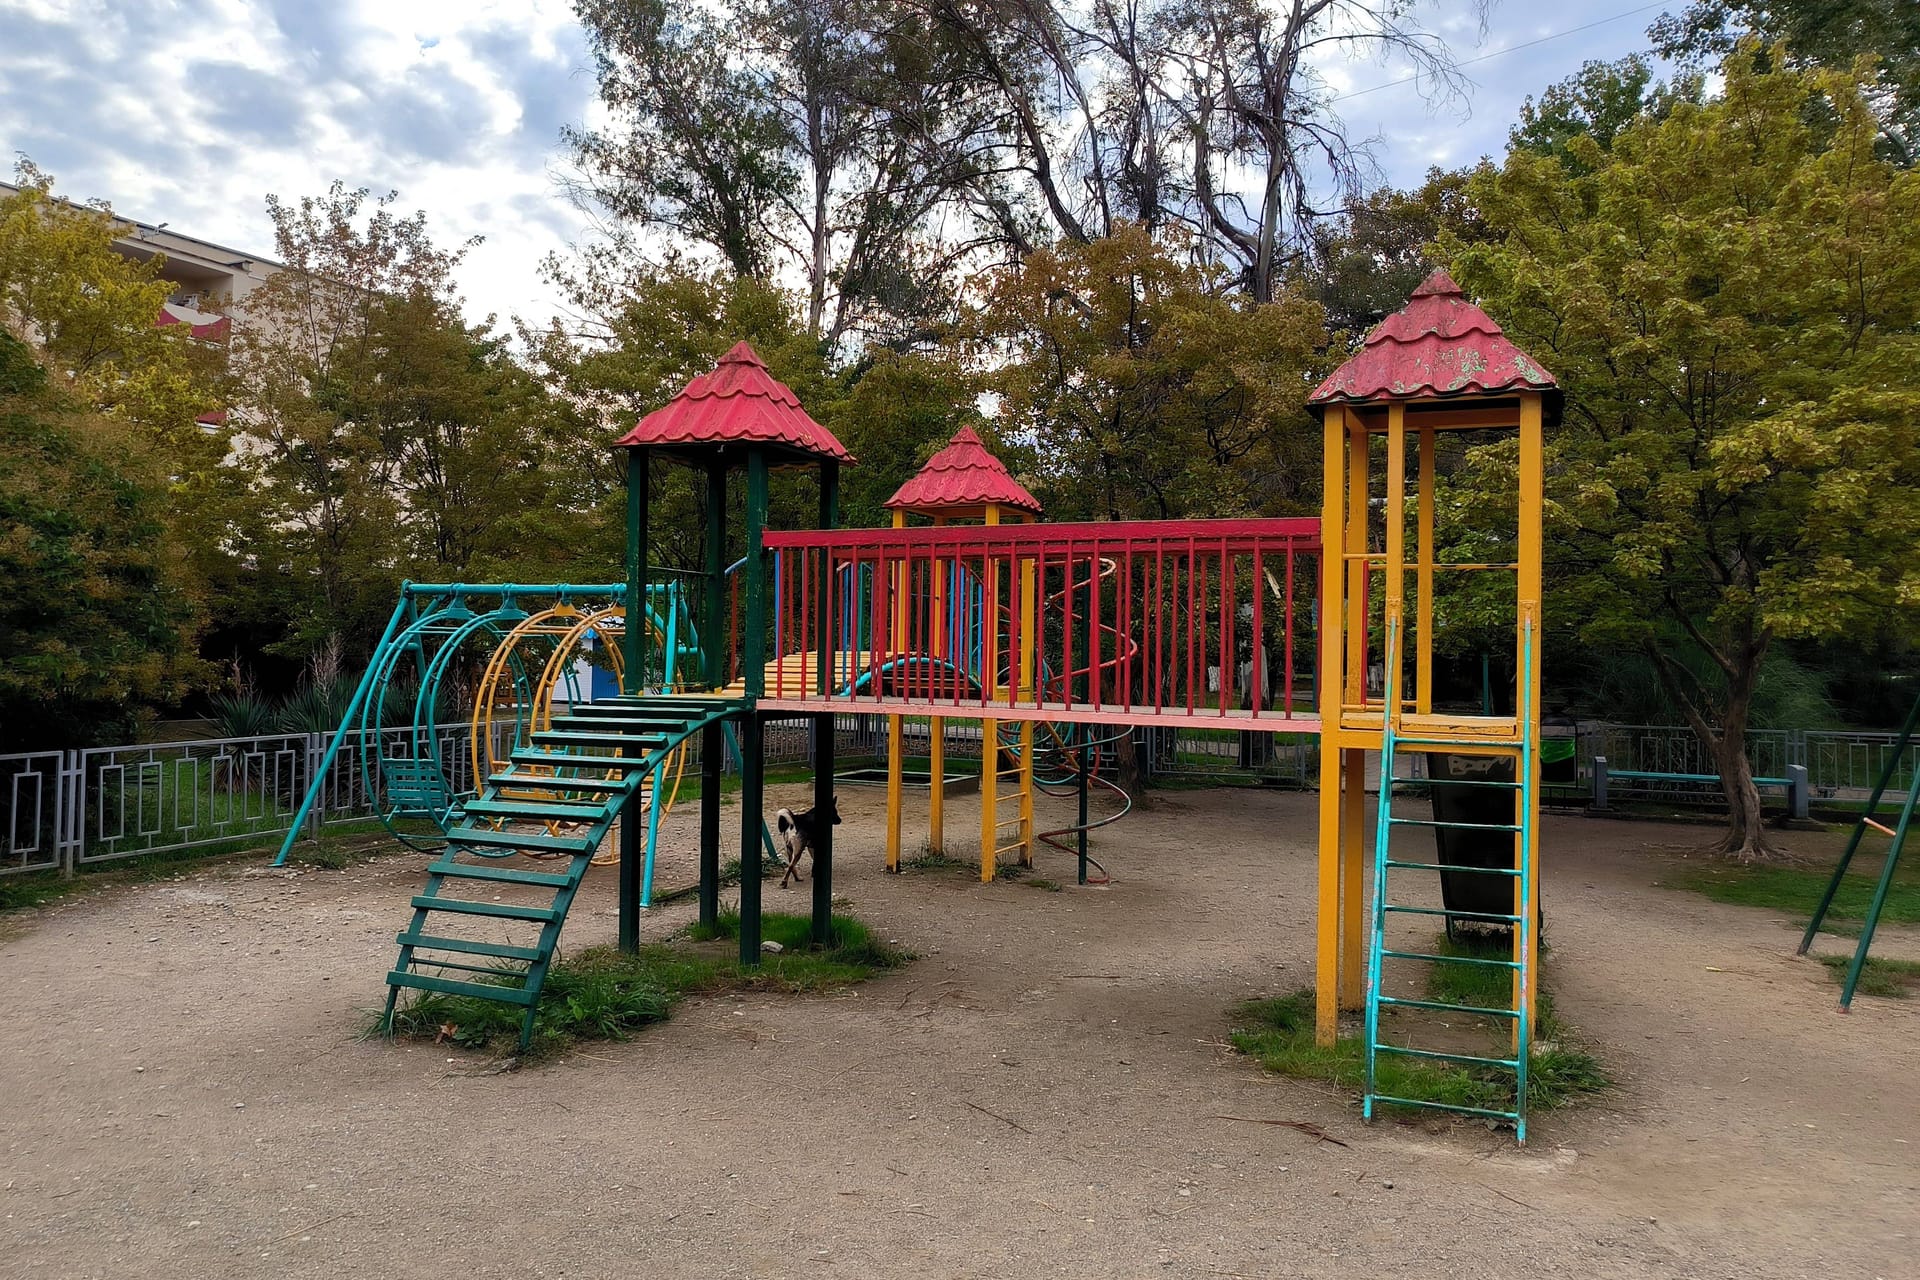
column 1484, row 986
column 1888, row 979
column 928, row 860
column 606, row 994
column 1041, row 882
column 1796, row 890
column 1280, row 1034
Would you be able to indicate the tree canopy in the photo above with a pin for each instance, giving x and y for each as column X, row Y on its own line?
column 1728, row 294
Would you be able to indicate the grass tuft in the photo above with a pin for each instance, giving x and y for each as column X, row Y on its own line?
column 606, row 994
column 1279, row 1033
column 1886, row 978
column 1796, row 891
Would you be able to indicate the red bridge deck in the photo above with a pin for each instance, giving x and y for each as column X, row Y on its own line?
column 1152, row 622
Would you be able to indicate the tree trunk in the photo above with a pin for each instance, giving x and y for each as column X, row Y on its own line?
column 1745, row 838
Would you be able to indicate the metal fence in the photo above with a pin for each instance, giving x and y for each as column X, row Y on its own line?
column 61, row 810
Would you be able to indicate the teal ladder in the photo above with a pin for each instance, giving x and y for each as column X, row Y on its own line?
column 1389, row 870
column 569, row 781
column 1897, row 833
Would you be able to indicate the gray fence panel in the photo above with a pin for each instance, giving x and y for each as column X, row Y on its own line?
column 33, row 819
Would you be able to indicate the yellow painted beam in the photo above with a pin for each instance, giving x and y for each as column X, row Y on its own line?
column 894, row 763
column 989, row 796
column 1532, row 550
column 1353, row 861
column 1328, row 685
column 1423, row 560
column 1356, row 545
column 937, row 798
column 1395, row 568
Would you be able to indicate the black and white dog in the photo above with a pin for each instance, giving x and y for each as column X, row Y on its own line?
column 798, row 832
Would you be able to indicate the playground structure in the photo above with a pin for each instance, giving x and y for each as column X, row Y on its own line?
column 1045, row 634
column 1896, row 835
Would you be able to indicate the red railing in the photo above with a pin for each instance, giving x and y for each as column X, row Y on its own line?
column 1152, row 621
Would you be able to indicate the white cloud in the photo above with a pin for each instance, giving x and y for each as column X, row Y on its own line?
column 191, row 112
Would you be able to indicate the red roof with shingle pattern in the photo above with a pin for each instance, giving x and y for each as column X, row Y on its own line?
column 739, row 402
column 962, row 475
column 1439, row 344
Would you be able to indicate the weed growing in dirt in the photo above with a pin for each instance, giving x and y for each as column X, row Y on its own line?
column 1797, row 890
column 1888, row 979
column 1280, row 1034
column 928, row 860
column 605, row 994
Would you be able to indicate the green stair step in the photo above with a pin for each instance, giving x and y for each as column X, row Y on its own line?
column 1446, row 1006
column 1457, row 915
column 1456, row 782
column 1445, row 1106
column 535, row 810
column 573, row 738
column 546, row 782
column 487, row 838
column 437, row 962
column 1427, row 955
column 1445, row 866
column 1511, row 1064
column 602, row 764
column 505, row 875
column 467, row 946
column 1455, row 826
column 502, row 910
column 608, row 717
column 455, row 987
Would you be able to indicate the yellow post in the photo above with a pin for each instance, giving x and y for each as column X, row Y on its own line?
column 896, row 732
column 1358, row 567
column 990, row 640
column 1423, row 554
column 1029, row 609
column 1531, row 531
column 1395, row 511
column 937, row 728
column 1328, row 686
column 894, row 762
column 1353, row 877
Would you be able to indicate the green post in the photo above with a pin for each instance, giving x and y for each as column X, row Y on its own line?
column 635, row 644
column 714, row 672
column 1860, row 826
column 753, row 662
column 823, row 744
column 632, row 681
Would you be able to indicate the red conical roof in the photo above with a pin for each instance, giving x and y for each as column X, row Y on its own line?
column 1439, row 344
column 738, row 403
column 963, row 475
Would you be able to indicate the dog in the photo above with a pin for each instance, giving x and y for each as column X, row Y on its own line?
column 798, row 832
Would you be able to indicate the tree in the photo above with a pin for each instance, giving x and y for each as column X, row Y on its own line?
column 1728, row 297
column 91, row 313
column 1371, row 257
column 99, row 615
column 1149, row 391
column 1830, row 33
column 1597, row 102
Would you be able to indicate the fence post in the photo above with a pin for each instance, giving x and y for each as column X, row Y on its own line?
column 1599, row 782
column 68, row 807
column 314, row 815
column 1797, row 803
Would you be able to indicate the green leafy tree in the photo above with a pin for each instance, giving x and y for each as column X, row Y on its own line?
column 1729, row 298
column 1372, row 257
column 1830, row 33
column 1596, row 102
column 1148, row 389
column 99, row 614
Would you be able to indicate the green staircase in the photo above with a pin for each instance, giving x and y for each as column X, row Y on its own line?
column 1897, row 833
column 1390, row 873
column 556, row 800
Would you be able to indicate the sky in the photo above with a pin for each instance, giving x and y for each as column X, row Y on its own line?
column 190, row 112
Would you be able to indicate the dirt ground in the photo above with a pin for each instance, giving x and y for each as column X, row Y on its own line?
column 1041, row 1094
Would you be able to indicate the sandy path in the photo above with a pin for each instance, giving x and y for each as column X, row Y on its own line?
column 1036, row 1096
